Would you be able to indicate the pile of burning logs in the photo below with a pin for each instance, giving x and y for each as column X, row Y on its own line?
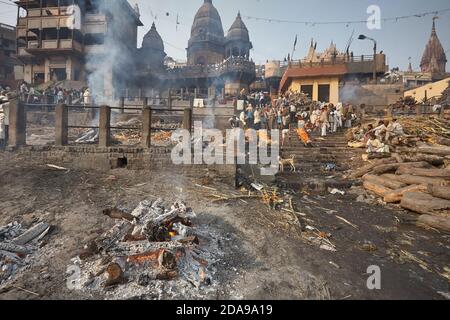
column 416, row 178
column 16, row 245
column 149, row 244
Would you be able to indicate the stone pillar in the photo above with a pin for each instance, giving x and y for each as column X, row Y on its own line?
column 17, row 124
column 146, row 126
column 169, row 99
column 223, row 93
column 61, row 125
column 104, row 126
column 122, row 105
column 145, row 102
column 187, row 119
column 182, row 94
column 195, row 93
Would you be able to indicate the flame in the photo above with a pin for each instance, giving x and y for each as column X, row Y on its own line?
column 172, row 234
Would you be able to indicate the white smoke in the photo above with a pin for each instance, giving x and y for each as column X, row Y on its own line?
column 111, row 68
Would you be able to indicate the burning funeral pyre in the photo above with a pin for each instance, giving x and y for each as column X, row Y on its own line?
column 153, row 252
column 17, row 245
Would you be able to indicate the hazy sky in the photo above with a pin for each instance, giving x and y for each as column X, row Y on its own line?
column 272, row 40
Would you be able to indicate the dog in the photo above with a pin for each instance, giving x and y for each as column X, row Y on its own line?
column 289, row 162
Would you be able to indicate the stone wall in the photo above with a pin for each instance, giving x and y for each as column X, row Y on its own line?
column 110, row 158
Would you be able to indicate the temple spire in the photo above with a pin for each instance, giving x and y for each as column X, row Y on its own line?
column 433, row 30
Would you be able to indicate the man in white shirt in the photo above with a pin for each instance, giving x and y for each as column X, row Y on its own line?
column 4, row 121
column 394, row 129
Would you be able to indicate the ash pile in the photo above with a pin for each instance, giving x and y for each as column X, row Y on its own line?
column 17, row 246
column 154, row 252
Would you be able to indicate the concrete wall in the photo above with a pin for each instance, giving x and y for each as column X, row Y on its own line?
column 371, row 95
column 429, row 91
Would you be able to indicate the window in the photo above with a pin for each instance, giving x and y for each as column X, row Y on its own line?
column 324, row 93
column 91, row 39
column 308, row 90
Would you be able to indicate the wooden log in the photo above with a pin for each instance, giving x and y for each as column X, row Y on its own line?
column 423, row 203
column 437, row 150
column 11, row 256
column 114, row 235
column 15, row 248
column 410, row 179
column 367, row 168
column 166, row 275
column 442, row 192
column 375, row 188
column 384, row 168
column 441, row 223
column 431, row 173
column 397, row 195
column 443, row 141
column 31, row 234
column 115, row 275
column 394, row 166
column 431, row 159
column 115, row 213
column 389, row 183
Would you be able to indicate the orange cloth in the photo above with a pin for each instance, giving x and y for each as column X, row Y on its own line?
column 303, row 136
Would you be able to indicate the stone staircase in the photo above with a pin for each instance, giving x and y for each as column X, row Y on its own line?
column 311, row 163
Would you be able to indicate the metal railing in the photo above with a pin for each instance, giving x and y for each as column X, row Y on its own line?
column 19, row 110
column 328, row 61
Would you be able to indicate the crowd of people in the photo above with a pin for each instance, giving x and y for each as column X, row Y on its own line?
column 54, row 95
column 376, row 139
column 260, row 112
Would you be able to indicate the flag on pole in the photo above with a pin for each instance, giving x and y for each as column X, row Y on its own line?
column 293, row 50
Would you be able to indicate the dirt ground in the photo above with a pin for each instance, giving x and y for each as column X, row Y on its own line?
column 265, row 256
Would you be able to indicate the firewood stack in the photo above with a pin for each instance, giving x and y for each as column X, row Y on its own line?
column 418, row 179
column 416, row 175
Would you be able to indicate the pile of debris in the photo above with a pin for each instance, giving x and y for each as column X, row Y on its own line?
column 150, row 245
column 299, row 99
column 17, row 246
column 162, row 125
column 405, row 105
column 89, row 136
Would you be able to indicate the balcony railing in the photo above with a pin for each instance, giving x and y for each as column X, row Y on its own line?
column 355, row 64
column 63, row 44
column 235, row 64
column 49, row 12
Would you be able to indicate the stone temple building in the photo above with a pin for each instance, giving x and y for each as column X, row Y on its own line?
column 434, row 59
column 94, row 42
column 217, row 64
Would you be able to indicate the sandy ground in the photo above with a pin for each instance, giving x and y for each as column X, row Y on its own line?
column 265, row 254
